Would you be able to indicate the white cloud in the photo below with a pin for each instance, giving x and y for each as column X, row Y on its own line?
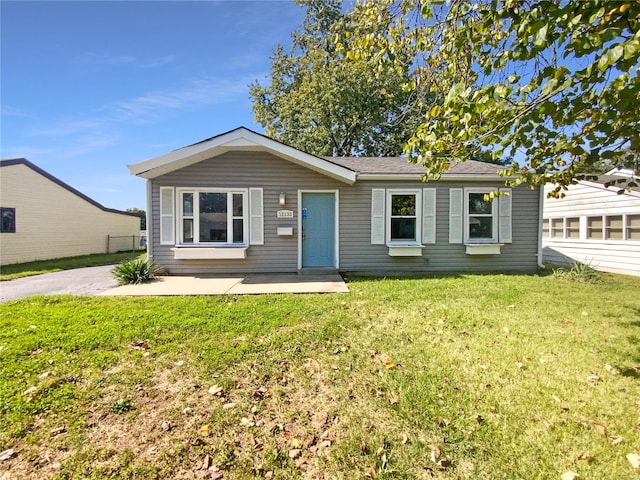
column 151, row 106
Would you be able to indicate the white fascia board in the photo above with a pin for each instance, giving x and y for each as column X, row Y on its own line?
column 612, row 189
column 240, row 139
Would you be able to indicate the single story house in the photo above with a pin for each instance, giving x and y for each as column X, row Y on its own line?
column 594, row 225
column 242, row 202
column 44, row 218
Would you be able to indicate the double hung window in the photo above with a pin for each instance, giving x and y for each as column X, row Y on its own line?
column 213, row 217
column 403, row 218
column 481, row 217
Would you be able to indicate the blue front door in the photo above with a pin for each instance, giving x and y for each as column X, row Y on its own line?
column 318, row 230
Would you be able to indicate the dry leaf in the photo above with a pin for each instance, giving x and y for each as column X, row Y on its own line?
column 569, row 475
column 228, row 406
column 612, row 370
column 585, row 456
column 294, row 453
column 443, row 464
column 58, row 431
column 7, row 454
column 615, row 440
column 599, row 428
column 390, row 364
column 216, row 390
column 369, row 472
column 205, row 430
column 634, row 459
column 29, row 391
column 206, row 463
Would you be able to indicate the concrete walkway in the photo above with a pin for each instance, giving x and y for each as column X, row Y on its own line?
column 251, row 284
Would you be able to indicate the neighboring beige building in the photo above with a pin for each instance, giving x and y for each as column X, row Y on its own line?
column 43, row 217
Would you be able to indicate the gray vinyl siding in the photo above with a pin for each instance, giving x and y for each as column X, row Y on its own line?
column 356, row 254
column 244, row 170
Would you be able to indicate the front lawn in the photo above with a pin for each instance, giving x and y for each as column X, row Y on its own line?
column 19, row 270
column 456, row 377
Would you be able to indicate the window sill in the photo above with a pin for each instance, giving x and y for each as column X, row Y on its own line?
column 208, row 253
column 405, row 249
column 483, row 248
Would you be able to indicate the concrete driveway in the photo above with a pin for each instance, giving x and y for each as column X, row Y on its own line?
column 98, row 281
column 78, row 281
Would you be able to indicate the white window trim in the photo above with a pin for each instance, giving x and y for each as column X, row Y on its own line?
column 494, row 217
column 404, row 243
column 196, row 221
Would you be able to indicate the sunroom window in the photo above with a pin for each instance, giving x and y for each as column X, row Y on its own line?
column 213, row 217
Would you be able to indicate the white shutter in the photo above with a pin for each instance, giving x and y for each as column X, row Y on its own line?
column 377, row 216
column 504, row 214
column 428, row 215
column 456, row 212
column 256, row 215
column 167, row 216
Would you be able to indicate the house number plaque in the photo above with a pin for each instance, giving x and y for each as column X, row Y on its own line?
column 285, row 214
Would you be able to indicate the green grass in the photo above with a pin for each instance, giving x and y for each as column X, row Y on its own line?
column 19, row 270
column 456, row 377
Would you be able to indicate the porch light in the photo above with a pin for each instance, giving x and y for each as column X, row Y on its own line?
column 282, row 199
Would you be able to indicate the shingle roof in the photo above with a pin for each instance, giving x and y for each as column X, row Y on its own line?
column 402, row 166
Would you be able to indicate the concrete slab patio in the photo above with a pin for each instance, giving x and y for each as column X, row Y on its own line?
column 248, row 285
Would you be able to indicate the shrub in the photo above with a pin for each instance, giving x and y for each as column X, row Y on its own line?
column 579, row 272
column 138, row 270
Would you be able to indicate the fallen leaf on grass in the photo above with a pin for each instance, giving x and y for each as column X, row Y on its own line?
column 435, row 452
column 634, row 460
column 205, row 430
column 216, row 390
column 443, row 464
column 615, row 440
column 294, row 453
column 140, row 345
column 599, row 428
column 369, row 472
column 58, row 431
column 29, row 391
column 612, row 370
column 228, row 406
column 569, row 475
column 7, row 454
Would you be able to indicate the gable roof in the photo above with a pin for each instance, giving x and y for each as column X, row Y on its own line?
column 60, row 183
column 345, row 169
column 239, row 139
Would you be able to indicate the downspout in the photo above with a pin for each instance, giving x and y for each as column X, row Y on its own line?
column 149, row 225
column 540, row 220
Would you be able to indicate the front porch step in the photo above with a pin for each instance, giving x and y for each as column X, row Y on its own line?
column 318, row 271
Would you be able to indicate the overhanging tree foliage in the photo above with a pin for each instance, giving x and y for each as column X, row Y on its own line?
column 553, row 85
column 325, row 104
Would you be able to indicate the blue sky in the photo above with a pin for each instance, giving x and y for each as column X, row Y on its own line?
column 90, row 87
